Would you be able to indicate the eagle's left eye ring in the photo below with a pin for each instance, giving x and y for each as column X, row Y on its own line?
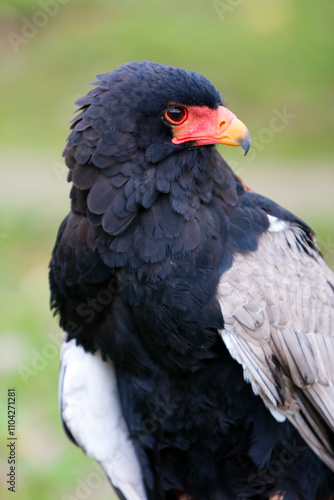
column 176, row 115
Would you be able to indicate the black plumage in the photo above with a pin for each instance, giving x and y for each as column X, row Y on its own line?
column 134, row 273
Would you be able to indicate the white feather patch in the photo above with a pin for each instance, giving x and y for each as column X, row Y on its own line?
column 276, row 225
column 90, row 408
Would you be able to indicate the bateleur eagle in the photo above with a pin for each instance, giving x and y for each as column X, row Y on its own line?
column 198, row 354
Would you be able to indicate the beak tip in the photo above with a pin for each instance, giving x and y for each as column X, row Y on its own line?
column 245, row 143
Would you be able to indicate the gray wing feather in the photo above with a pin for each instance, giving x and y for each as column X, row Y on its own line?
column 278, row 308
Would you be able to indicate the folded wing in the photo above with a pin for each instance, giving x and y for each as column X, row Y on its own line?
column 278, row 308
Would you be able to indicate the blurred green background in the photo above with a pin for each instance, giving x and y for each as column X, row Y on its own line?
column 273, row 62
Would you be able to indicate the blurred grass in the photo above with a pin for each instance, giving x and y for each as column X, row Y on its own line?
column 261, row 55
column 264, row 55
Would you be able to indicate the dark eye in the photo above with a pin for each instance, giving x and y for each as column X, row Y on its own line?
column 176, row 114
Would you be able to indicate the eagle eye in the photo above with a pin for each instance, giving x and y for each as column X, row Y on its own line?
column 176, row 115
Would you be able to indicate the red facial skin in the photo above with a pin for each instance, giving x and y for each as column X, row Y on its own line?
column 204, row 126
